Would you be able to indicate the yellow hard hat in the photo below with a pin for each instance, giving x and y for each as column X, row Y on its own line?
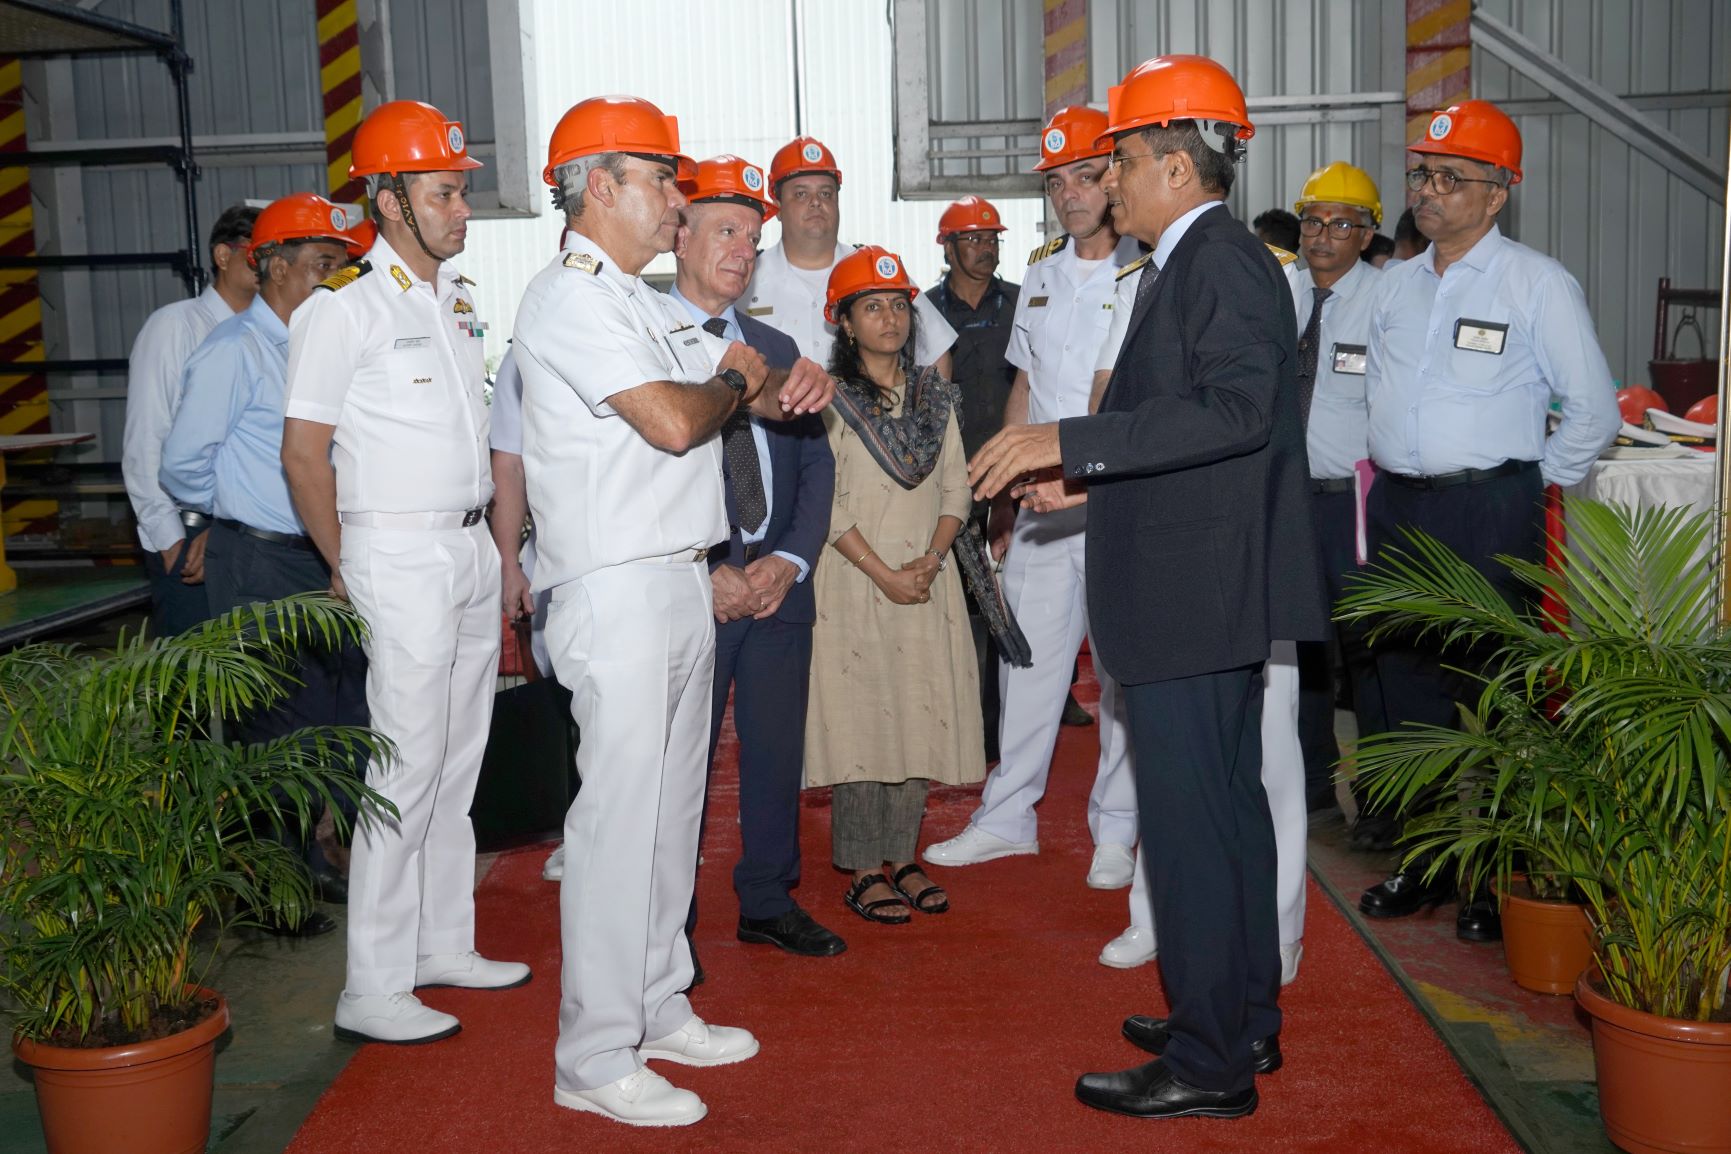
column 1341, row 183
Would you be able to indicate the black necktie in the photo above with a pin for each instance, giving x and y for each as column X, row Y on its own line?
column 1308, row 347
column 739, row 448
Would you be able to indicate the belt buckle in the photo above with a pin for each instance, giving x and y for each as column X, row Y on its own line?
column 472, row 517
column 701, row 554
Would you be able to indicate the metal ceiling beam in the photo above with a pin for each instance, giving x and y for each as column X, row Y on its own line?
column 1598, row 104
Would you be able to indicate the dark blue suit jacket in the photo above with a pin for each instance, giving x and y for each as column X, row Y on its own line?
column 802, row 484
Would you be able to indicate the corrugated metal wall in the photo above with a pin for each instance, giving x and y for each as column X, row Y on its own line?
column 1614, row 217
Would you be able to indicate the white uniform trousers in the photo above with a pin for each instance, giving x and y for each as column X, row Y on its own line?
column 1045, row 584
column 430, row 598
column 1283, row 781
column 636, row 645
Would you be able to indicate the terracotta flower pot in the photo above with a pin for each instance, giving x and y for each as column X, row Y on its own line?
column 146, row 1098
column 1663, row 1082
column 1548, row 944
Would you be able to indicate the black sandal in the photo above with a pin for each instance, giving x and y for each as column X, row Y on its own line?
column 925, row 902
column 868, row 910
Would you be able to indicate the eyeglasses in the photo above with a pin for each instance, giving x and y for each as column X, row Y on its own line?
column 1339, row 228
column 977, row 239
column 1441, row 180
column 1118, row 159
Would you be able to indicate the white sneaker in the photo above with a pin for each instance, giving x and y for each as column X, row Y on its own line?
column 697, row 1043
column 974, row 845
column 644, row 1098
column 1134, row 947
column 470, row 971
column 1113, row 868
column 554, row 868
column 1289, row 958
column 397, row 1018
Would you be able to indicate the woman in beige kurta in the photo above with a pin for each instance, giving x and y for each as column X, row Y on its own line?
column 895, row 699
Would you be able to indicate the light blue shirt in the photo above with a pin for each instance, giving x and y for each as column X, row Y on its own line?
column 1337, row 434
column 1436, row 407
column 758, row 436
column 1176, row 230
column 223, row 454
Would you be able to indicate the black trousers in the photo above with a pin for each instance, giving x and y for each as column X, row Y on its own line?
column 768, row 665
column 176, row 607
column 1336, row 523
column 241, row 569
column 1504, row 515
column 1208, row 841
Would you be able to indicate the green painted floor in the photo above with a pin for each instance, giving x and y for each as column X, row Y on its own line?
column 52, row 598
column 1529, row 1054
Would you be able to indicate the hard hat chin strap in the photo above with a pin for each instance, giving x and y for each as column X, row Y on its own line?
column 401, row 191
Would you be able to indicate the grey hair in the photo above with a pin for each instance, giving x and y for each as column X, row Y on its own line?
column 262, row 256
column 1502, row 176
column 571, row 180
column 1215, row 169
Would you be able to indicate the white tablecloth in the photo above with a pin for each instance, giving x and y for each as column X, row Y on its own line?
column 1669, row 481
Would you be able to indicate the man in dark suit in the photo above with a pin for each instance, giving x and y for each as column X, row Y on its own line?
column 780, row 478
column 1200, row 554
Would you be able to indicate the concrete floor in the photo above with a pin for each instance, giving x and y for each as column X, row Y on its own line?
column 1531, row 1055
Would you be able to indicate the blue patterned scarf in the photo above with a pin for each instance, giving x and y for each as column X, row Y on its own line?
column 906, row 446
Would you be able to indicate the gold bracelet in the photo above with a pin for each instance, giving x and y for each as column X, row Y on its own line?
column 862, row 557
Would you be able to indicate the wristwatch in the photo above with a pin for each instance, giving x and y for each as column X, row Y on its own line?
column 733, row 379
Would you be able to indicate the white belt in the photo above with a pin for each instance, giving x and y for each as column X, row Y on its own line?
column 414, row 520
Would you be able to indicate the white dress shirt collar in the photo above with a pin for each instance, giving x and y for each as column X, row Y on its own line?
column 1176, row 230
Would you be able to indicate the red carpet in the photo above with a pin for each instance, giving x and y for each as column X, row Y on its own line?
column 962, row 1032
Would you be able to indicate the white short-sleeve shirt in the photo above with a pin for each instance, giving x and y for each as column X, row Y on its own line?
column 601, row 494
column 396, row 364
column 782, row 298
column 1063, row 316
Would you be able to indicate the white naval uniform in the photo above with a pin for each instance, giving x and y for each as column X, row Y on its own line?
column 1282, row 755
column 153, row 391
column 792, row 300
column 506, row 436
column 1063, row 313
column 395, row 364
column 621, row 526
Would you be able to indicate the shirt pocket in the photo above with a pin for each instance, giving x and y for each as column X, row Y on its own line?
column 412, row 376
column 1472, row 371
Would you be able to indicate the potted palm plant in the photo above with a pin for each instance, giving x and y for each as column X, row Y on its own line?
column 1600, row 748
column 127, row 828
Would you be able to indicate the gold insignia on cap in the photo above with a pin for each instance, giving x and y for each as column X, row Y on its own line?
column 582, row 262
column 401, row 277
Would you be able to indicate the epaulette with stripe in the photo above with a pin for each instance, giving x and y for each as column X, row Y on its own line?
column 1048, row 249
column 346, row 276
column 1281, row 254
column 1134, row 265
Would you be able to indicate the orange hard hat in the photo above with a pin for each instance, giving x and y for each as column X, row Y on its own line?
column 969, row 214
column 800, row 157
column 1703, row 412
column 409, row 136
column 731, row 179
column 867, row 269
column 1074, row 133
column 616, row 124
column 1634, row 401
column 364, row 235
column 1477, row 130
column 1179, row 87
column 301, row 216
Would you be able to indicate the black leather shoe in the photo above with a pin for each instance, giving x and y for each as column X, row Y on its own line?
column 1151, row 1034
column 1374, row 832
column 1406, row 893
column 795, row 932
column 1153, row 1091
column 331, row 887
column 1074, row 714
column 315, row 924
column 1479, row 921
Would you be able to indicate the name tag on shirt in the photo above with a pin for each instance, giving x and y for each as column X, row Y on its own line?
column 1349, row 359
column 413, row 342
column 1480, row 336
column 761, row 311
column 1037, row 302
